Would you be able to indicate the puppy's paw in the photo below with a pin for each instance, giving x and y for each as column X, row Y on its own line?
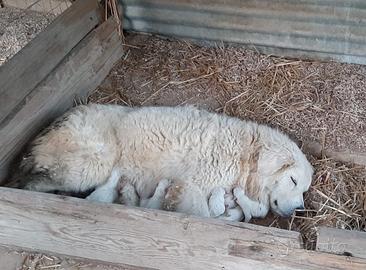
column 217, row 202
column 121, row 185
column 229, row 201
column 218, row 191
column 163, row 185
column 247, row 216
column 234, row 214
column 128, row 195
column 238, row 192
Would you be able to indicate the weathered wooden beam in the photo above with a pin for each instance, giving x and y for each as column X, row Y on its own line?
column 40, row 56
column 352, row 243
column 317, row 150
column 137, row 237
column 78, row 74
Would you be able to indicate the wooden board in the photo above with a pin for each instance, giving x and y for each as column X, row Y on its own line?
column 11, row 259
column 81, row 72
column 339, row 241
column 347, row 156
column 149, row 239
column 32, row 64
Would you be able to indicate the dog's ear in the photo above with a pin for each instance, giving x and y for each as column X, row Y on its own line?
column 286, row 165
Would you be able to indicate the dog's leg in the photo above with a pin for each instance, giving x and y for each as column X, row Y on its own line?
column 108, row 192
column 156, row 201
column 40, row 183
column 250, row 208
column 216, row 202
column 233, row 214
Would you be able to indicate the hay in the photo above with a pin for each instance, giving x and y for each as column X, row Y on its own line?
column 318, row 101
column 324, row 102
column 17, row 28
column 37, row 261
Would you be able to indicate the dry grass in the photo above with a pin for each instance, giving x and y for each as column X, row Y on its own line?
column 39, row 261
column 17, row 28
column 323, row 102
column 337, row 198
column 36, row 261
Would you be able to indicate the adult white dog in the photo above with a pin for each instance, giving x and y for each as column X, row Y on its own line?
column 96, row 145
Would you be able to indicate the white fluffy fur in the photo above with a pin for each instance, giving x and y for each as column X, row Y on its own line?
column 202, row 150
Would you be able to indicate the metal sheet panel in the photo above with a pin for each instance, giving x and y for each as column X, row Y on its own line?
column 325, row 29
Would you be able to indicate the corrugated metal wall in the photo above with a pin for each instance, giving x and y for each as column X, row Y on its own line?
column 326, row 29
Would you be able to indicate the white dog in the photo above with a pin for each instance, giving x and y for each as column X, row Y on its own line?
column 95, row 145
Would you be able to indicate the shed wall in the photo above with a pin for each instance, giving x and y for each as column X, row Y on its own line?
column 325, row 29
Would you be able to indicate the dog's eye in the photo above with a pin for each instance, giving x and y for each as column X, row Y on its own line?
column 294, row 181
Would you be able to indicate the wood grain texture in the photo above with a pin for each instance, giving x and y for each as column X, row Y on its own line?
column 339, row 241
column 41, row 55
column 78, row 74
column 148, row 238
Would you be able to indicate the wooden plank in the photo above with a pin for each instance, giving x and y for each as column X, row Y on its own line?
column 347, row 156
column 34, row 62
column 11, row 259
column 352, row 243
column 82, row 71
column 150, row 239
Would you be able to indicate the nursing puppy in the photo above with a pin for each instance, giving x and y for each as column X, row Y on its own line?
column 176, row 197
column 96, row 145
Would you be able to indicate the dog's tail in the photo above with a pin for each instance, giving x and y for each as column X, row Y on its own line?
column 26, row 176
column 29, row 181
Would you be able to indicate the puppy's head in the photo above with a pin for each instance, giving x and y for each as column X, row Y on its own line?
column 290, row 176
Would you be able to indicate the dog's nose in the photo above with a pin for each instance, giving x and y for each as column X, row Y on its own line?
column 301, row 207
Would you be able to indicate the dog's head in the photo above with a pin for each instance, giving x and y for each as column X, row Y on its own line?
column 288, row 175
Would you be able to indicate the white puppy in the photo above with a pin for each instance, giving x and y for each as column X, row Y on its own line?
column 96, row 144
column 168, row 197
